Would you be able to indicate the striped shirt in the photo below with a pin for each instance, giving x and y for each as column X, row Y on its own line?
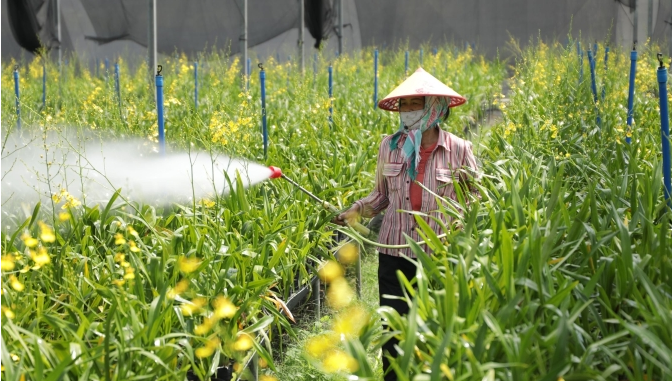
column 392, row 190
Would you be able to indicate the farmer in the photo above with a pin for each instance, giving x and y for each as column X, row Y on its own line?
column 419, row 152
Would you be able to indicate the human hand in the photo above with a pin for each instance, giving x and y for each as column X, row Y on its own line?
column 348, row 217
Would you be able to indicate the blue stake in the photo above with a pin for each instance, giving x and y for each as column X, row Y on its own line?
column 665, row 129
column 593, row 84
column 421, row 57
column 264, row 130
column 107, row 69
column 331, row 93
column 44, row 84
column 314, row 69
column 116, row 85
column 16, row 93
column 406, row 63
column 375, row 79
column 581, row 67
column 606, row 57
column 159, row 110
column 249, row 73
column 631, row 94
column 435, row 51
column 196, row 86
column 595, row 50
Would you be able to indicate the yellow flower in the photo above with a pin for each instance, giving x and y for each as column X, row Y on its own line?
column 28, row 240
column 8, row 313
column 120, row 257
column 208, row 349
column 119, row 239
column 130, row 273
column 118, row 282
column 131, row 231
column 351, row 321
column 330, row 271
column 340, row 294
column 41, row 258
column 133, row 247
column 8, row 262
column 192, row 307
column 224, row 309
column 188, row 265
column 207, row 203
column 63, row 216
column 204, row 328
column 15, row 283
column 337, row 361
column 319, row 345
column 46, row 233
column 243, row 343
column 179, row 288
column 265, row 377
column 348, row 253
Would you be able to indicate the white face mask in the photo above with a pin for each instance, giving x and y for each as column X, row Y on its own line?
column 411, row 119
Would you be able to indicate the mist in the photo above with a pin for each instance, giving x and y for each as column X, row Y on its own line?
column 91, row 170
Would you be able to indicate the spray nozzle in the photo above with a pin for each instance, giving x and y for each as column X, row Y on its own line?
column 275, row 172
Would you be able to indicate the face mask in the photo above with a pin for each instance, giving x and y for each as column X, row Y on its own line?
column 411, row 119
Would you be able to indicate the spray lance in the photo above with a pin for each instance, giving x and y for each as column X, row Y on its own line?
column 277, row 173
column 356, row 226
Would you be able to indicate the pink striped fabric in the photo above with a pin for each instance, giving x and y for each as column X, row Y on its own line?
column 392, row 189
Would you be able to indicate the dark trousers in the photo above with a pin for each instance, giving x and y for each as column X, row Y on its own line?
column 388, row 284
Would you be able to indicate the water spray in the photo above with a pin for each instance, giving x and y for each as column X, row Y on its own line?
column 277, row 173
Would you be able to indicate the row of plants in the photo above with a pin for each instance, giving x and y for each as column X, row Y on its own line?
column 131, row 290
column 560, row 267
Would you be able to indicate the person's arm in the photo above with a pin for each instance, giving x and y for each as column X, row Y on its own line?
column 377, row 200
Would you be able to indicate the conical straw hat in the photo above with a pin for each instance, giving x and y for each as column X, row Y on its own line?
column 420, row 84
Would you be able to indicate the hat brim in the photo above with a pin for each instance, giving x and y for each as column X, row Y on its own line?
column 420, row 84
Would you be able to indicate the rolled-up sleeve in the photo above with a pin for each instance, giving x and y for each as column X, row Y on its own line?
column 377, row 200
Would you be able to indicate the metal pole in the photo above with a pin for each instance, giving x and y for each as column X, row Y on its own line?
column 243, row 41
column 16, row 93
column 300, row 43
column 665, row 129
column 340, row 26
column 631, row 93
column 151, row 38
column 650, row 24
column 57, row 10
column 635, row 18
column 318, row 297
column 159, row 110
